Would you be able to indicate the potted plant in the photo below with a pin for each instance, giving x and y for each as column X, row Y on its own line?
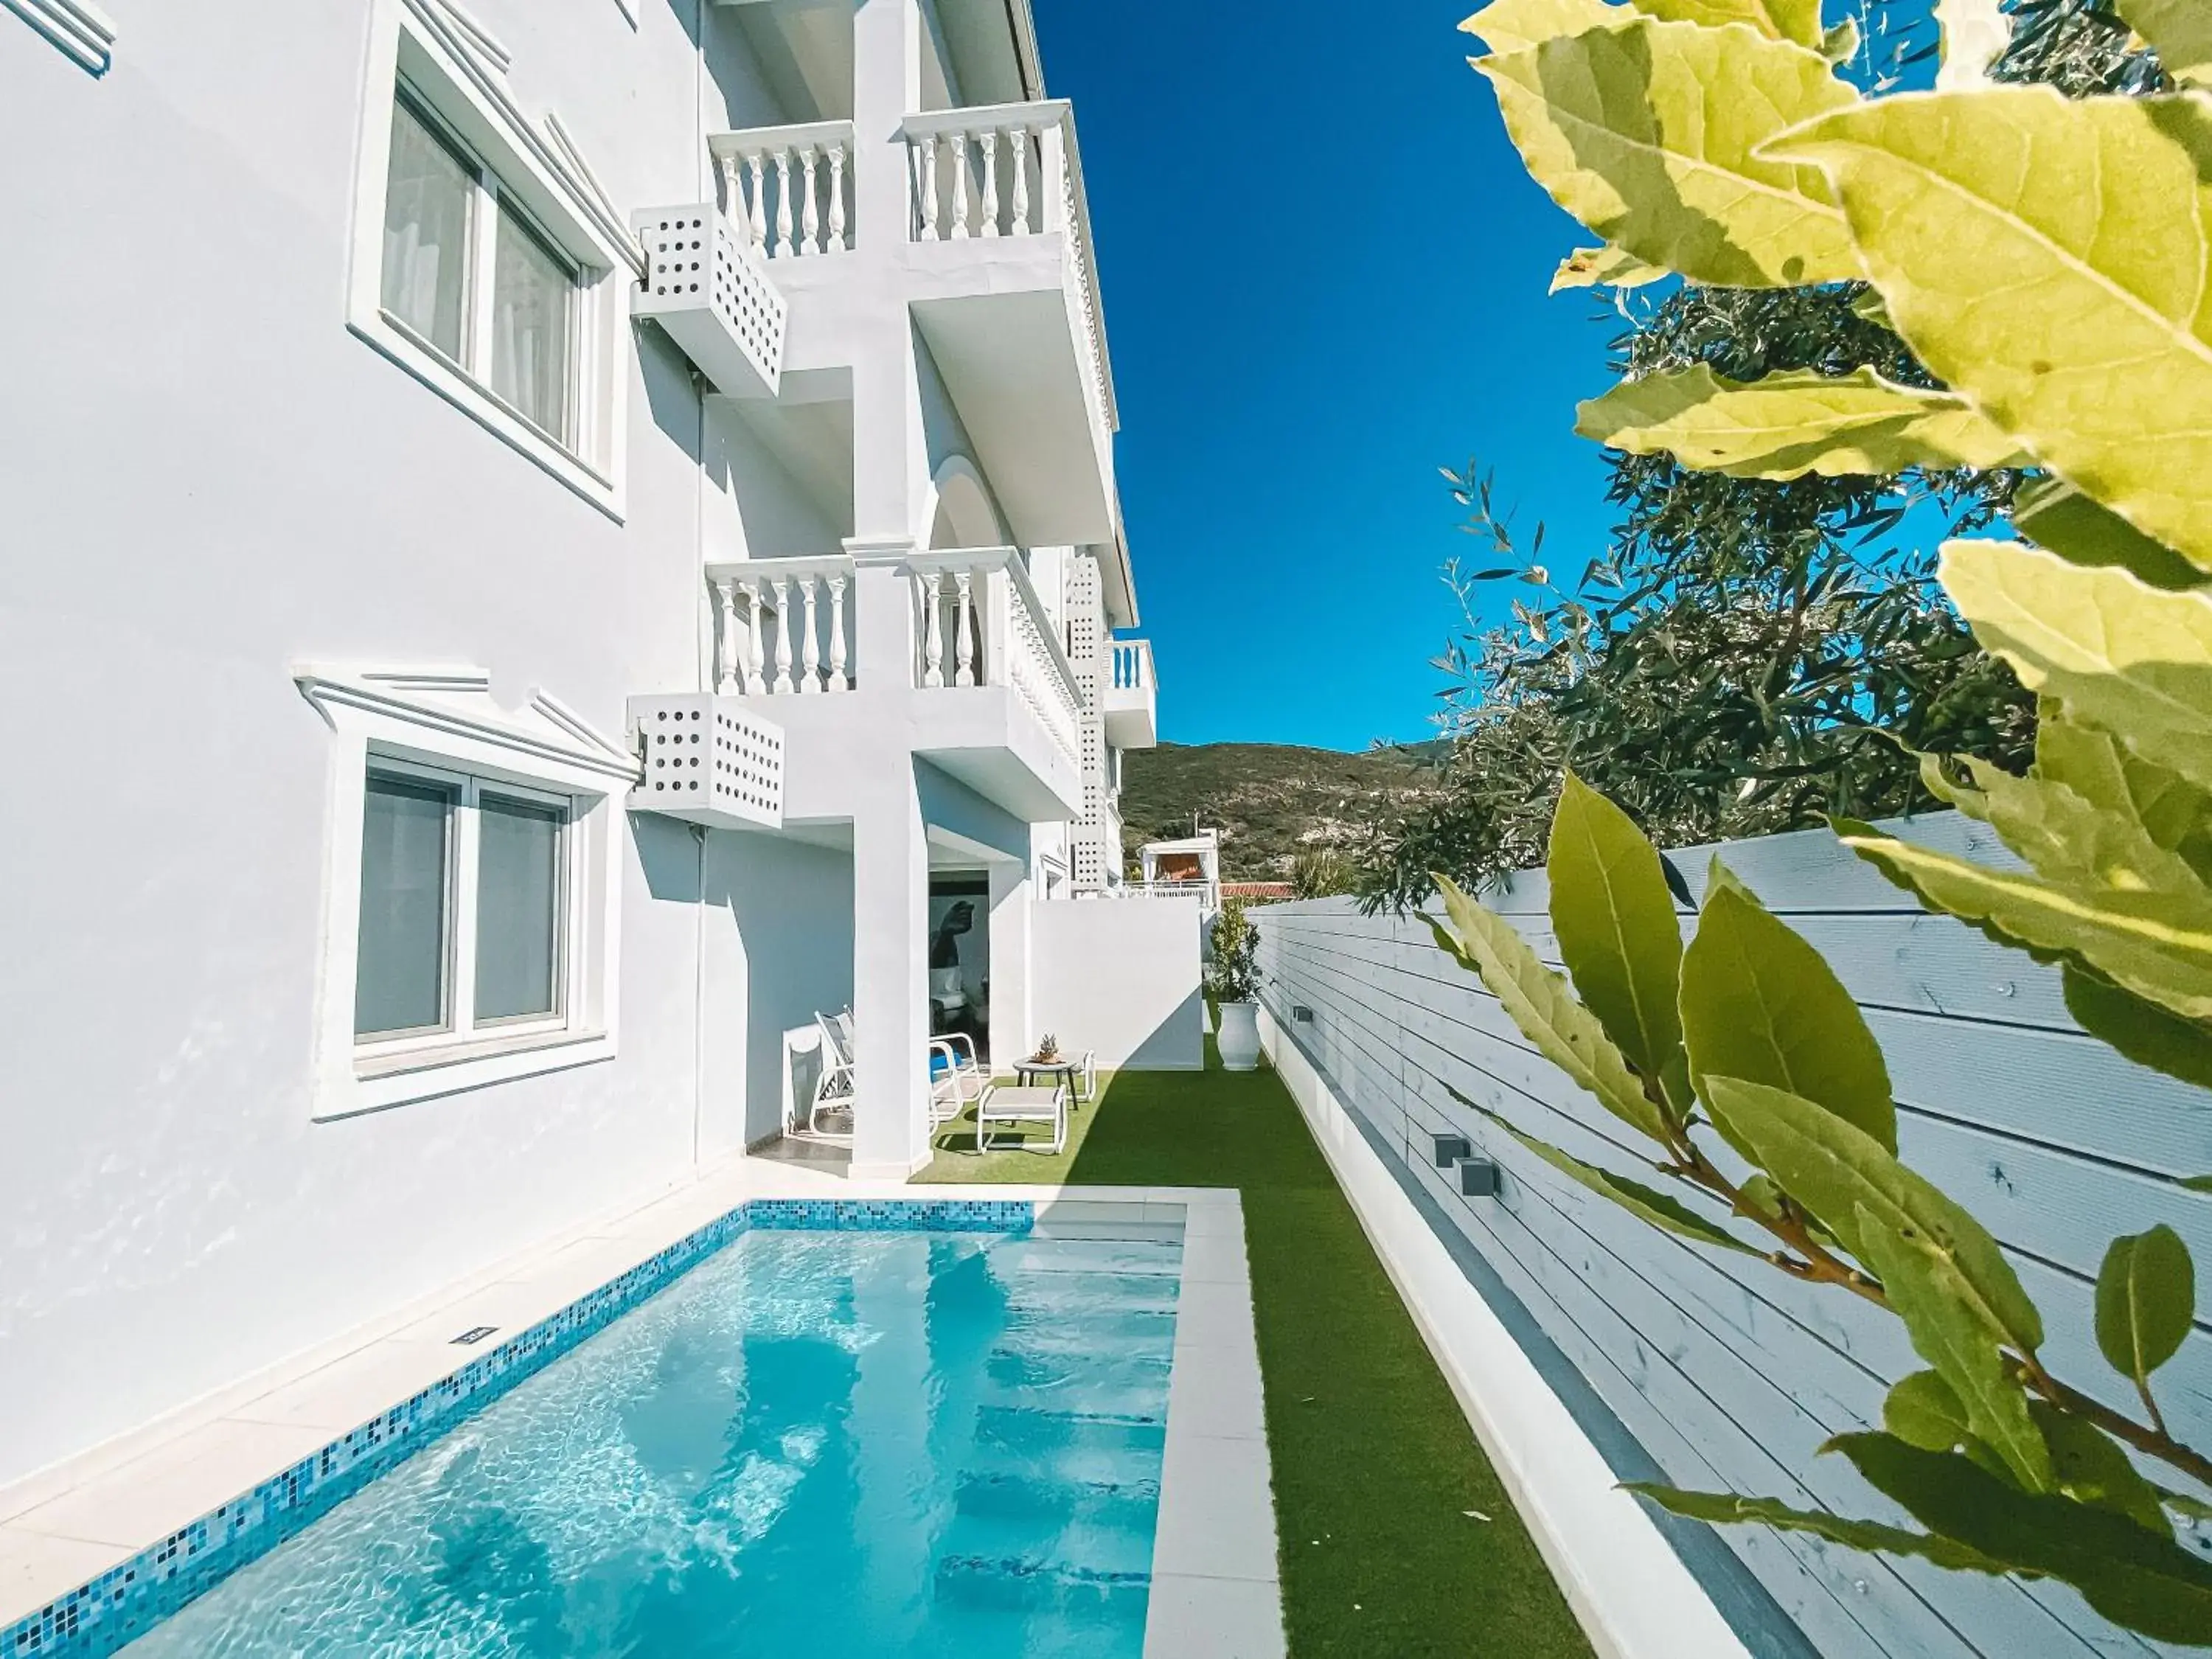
column 1047, row 1050
column 1233, row 977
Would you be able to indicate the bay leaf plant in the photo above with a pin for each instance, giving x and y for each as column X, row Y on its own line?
column 2048, row 259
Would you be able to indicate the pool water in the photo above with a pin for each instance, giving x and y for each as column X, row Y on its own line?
column 821, row 1444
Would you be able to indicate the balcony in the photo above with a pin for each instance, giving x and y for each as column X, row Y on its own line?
column 1132, row 696
column 964, row 657
column 994, row 267
column 1004, row 289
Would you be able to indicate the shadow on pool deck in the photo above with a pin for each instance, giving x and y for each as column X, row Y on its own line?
column 1375, row 1470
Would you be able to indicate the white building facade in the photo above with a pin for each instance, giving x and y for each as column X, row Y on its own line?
column 378, row 493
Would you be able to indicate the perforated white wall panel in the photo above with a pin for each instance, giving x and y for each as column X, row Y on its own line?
column 712, row 297
column 708, row 760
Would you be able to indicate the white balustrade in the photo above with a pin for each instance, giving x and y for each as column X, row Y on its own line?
column 1011, row 170
column 789, row 189
column 780, row 626
column 1132, row 666
column 979, row 621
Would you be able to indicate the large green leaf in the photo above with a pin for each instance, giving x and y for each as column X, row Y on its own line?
column 1541, row 1004
column 2146, row 1298
column 2068, row 839
column 2054, row 513
column 2090, row 1468
column 1618, row 934
column 1640, row 1201
column 1924, row 1411
column 1787, row 425
column 1515, row 24
column 1797, row 20
column 1834, row 1168
column 2095, row 764
column 2045, row 258
column 1722, row 1509
column 2158, row 945
column 2139, row 1031
column 1951, row 1330
column 1758, row 1003
column 1621, row 126
column 1589, row 267
column 2121, row 656
column 2134, row 1576
column 2182, row 32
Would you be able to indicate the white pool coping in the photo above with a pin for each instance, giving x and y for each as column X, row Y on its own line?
column 1215, row 1590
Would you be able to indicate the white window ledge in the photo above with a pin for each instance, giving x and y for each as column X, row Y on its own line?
column 79, row 29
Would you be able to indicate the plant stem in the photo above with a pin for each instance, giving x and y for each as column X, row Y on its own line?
column 2153, row 1441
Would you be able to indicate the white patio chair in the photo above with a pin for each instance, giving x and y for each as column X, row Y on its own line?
column 832, row 1087
column 956, row 1075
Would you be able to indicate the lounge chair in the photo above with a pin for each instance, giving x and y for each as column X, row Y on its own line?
column 956, row 1075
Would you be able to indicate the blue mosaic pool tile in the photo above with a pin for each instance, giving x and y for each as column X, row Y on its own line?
column 935, row 1215
column 96, row 1618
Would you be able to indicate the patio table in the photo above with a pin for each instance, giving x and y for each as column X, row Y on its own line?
column 1041, row 1072
column 1011, row 1108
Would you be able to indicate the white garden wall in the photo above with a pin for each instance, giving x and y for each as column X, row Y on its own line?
column 1120, row 978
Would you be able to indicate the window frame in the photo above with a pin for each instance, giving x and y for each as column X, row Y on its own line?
column 443, row 728
column 467, row 110
column 460, row 1026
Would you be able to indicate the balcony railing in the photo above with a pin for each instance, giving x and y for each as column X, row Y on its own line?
column 1132, row 666
column 785, row 627
column 981, row 622
column 790, row 189
column 782, row 626
column 1011, row 170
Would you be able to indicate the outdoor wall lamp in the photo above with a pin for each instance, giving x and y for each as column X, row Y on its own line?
column 1449, row 1149
column 1478, row 1177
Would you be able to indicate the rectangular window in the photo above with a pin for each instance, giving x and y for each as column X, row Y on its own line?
column 427, row 197
column 518, row 910
column 533, row 325
column 406, row 876
column 466, row 894
column 466, row 272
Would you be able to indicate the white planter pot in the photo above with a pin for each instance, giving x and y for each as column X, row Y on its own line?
column 1240, row 1036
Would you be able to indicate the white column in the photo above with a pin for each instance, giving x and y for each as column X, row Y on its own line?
column 990, row 140
column 838, row 680
column 964, row 629
column 890, row 896
column 1021, row 214
column 926, row 155
column 1011, row 1037
column 786, row 239
column 730, row 657
column 782, row 634
column 755, row 218
column 810, row 587
column 836, row 198
column 959, row 186
column 756, row 647
column 810, row 160
column 932, row 630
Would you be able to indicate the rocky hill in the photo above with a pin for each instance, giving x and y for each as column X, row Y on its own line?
column 1269, row 801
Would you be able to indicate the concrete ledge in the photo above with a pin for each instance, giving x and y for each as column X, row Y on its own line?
column 1217, row 1590
column 1633, row 1594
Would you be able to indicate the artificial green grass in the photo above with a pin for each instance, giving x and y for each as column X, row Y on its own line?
column 1397, row 1537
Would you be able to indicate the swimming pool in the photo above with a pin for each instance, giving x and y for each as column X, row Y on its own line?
column 934, row 1444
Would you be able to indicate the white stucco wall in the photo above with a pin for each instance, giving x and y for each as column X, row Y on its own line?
column 1120, row 978
column 208, row 481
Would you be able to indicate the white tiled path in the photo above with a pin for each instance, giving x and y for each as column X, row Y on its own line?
column 1215, row 1593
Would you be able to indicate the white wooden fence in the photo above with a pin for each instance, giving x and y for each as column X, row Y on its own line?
column 1725, row 1373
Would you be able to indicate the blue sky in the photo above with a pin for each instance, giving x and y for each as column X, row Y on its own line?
column 1323, row 271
